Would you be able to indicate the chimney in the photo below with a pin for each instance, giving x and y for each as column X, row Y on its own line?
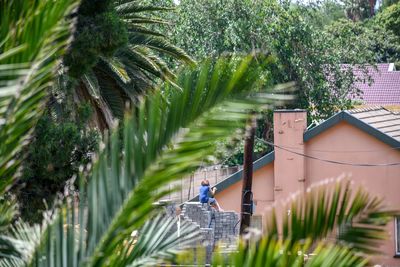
column 289, row 168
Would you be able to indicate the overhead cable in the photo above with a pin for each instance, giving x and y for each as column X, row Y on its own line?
column 328, row 160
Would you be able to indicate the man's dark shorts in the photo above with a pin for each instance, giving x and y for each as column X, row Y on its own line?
column 211, row 201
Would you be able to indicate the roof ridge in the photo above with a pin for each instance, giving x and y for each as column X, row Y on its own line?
column 366, row 108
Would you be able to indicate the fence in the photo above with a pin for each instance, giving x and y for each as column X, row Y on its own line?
column 188, row 187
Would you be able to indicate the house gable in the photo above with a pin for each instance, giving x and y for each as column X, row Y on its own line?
column 343, row 116
column 346, row 116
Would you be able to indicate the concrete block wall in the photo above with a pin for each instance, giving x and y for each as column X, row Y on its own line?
column 226, row 226
column 217, row 228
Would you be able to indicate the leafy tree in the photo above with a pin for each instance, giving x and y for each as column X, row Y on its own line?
column 365, row 39
column 323, row 13
column 56, row 151
column 357, row 10
column 390, row 18
column 305, row 54
column 386, row 3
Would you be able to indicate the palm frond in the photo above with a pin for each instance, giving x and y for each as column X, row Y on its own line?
column 33, row 39
column 18, row 246
column 160, row 45
column 29, row 57
column 159, row 241
column 118, row 68
column 91, row 82
column 166, row 136
column 135, row 19
column 132, row 7
column 136, row 28
column 111, row 91
column 270, row 252
column 134, row 69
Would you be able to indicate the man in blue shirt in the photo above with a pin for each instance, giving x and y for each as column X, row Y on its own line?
column 205, row 190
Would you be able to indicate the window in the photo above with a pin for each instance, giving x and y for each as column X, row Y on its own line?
column 397, row 234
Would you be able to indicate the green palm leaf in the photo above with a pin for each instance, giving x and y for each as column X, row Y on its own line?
column 136, row 68
column 166, row 136
column 28, row 59
column 159, row 242
column 32, row 39
column 270, row 252
column 19, row 245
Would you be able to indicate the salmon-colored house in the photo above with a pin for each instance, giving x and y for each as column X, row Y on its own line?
column 361, row 144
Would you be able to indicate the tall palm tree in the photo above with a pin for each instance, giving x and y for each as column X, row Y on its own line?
column 133, row 68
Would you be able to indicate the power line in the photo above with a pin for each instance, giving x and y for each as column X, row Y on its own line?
column 328, row 160
column 341, row 151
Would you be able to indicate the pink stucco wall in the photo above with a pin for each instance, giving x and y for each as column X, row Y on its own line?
column 343, row 142
column 288, row 132
column 263, row 191
column 347, row 143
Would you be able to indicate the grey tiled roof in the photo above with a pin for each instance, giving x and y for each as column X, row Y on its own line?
column 380, row 118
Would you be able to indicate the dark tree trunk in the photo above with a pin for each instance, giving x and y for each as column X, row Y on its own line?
column 247, row 195
column 372, row 7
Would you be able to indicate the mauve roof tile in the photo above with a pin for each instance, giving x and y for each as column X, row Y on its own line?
column 385, row 89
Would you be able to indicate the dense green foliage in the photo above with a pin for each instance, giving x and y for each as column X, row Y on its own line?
column 99, row 33
column 323, row 13
column 304, row 53
column 390, row 18
column 54, row 155
column 373, row 39
column 386, row 3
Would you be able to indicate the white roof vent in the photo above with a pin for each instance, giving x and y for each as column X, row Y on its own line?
column 391, row 67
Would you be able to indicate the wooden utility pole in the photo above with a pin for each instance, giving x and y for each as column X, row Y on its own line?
column 247, row 195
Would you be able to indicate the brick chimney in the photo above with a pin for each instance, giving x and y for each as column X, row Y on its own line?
column 289, row 168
